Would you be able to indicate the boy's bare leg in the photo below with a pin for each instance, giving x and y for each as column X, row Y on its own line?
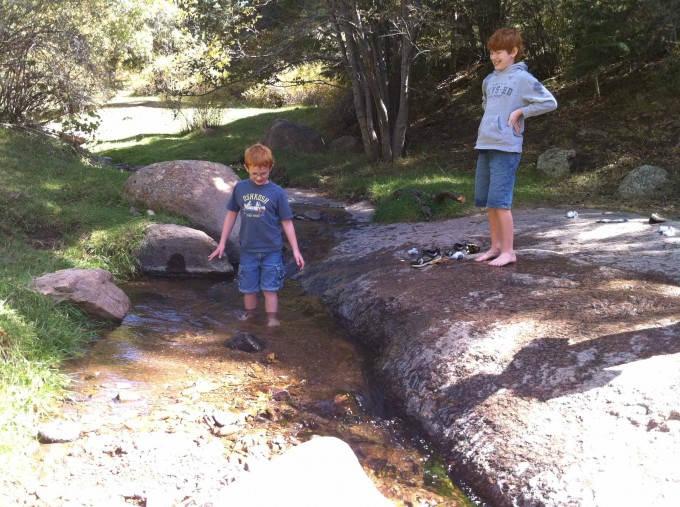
column 271, row 306
column 507, row 232
column 250, row 305
column 495, row 249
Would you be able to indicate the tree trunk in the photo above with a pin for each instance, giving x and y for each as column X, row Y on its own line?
column 407, row 49
column 379, row 60
column 363, row 106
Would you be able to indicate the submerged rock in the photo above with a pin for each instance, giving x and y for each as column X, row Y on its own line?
column 246, row 342
column 323, row 471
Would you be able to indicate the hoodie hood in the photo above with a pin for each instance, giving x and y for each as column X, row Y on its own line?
column 515, row 67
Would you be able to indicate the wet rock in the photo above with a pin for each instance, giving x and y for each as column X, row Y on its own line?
column 175, row 250
column 245, row 342
column 91, row 289
column 279, row 394
column 200, row 386
column 227, row 430
column 55, row 432
column 127, row 396
column 223, row 418
column 312, row 214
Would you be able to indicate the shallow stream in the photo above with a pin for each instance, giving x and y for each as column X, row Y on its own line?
column 170, row 352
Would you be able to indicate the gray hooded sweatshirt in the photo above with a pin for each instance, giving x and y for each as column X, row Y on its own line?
column 503, row 92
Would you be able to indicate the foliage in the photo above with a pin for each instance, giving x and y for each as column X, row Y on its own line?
column 669, row 77
column 58, row 57
column 302, row 85
column 86, row 124
column 202, row 116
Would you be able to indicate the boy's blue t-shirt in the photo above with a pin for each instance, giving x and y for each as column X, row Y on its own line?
column 262, row 207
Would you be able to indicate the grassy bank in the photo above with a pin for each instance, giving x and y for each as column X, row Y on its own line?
column 56, row 212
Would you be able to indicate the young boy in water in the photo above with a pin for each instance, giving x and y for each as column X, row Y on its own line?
column 509, row 95
column 264, row 212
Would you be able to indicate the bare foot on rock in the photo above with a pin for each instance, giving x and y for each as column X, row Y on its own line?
column 488, row 255
column 504, row 259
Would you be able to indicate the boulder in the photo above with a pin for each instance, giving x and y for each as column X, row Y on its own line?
column 552, row 381
column 288, row 135
column 91, row 289
column 175, row 250
column 556, row 162
column 195, row 189
column 643, row 180
column 58, row 432
column 323, row 471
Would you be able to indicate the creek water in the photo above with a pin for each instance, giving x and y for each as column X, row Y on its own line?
column 172, row 346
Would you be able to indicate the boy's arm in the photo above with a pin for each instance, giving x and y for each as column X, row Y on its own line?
column 229, row 222
column 539, row 99
column 289, row 229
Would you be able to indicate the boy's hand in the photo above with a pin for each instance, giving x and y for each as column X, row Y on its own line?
column 217, row 253
column 513, row 120
column 299, row 260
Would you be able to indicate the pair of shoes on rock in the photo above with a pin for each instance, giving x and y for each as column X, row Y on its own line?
column 430, row 256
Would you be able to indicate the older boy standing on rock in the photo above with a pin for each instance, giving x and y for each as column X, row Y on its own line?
column 264, row 212
column 509, row 95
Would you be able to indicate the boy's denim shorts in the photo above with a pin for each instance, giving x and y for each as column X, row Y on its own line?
column 260, row 271
column 495, row 178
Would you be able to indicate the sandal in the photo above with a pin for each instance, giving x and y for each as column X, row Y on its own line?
column 468, row 248
column 472, row 248
column 428, row 257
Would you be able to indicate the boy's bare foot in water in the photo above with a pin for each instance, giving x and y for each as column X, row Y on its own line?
column 247, row 315
column 504, row 259
column 272, row 320
column 488, row 255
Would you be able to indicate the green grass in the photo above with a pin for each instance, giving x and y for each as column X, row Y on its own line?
column 56, row 211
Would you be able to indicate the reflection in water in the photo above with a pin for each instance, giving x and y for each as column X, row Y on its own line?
column 174, row 339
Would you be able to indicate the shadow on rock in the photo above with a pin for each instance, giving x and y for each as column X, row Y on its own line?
column 550, row 367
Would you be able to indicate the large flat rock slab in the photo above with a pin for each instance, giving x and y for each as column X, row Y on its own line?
column 552, row 381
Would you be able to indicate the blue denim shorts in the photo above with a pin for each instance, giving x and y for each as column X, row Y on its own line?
column 260, row 271
column 495, row 178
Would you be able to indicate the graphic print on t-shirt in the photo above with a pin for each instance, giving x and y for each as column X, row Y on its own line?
column 254, row 205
